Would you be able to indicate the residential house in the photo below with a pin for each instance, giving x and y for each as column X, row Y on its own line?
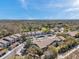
column 61, row 37
column 39, row 32
column 5, row 43
column 9, row 39
column 58, row 29
column 59, row 41
column 14, row 37
column 1, row 46
column 33, row 33
column 13, row 45
column 72, row 33
column 61, row 29
column 18, row 35
column 43, row 43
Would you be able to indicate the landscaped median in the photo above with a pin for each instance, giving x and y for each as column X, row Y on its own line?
column 12, row 53
column 69, row 54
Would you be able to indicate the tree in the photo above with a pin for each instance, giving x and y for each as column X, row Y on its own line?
column 35, row 50
column 62, row 34
column 63, row 48
column 28, row 43
column 67, row 45
column 23, row 28
column 77, row 35
column 66, row 27
column 51, row 53
column 45, row 30
column 49, row 25
column 23, row 37
column 30, row 28
column 4, row 32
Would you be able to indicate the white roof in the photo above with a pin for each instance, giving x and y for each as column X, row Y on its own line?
column 3, row 41
column 35, row 32
column 28, row 33
column 19, row 35
column 61, row 37
column 1, row 44
column 9, row 38
column 13, row 36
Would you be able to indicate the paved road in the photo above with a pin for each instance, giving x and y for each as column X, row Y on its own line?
column 12, row 52
column 70, row 52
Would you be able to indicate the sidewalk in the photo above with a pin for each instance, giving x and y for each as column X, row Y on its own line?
column 70, row 52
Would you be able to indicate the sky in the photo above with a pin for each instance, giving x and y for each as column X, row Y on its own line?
column 39, row 9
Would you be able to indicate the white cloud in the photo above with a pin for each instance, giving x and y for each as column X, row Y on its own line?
column 58, row 5
column 74, row 16
column 74, row 6
column 68, row 7
column 75, row 3
column 23, row 3
column 72, row 9
column 48, row 17
column 31, row 18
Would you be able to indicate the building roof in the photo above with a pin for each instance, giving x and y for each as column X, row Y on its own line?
column 61, row 37
column 28, row 33
column 33, row 33
column 72, row 33
column 45, row 42
column 3, row 41
column 13, row 36
column 38, row 32
column 8, row 38
column 1, row 44
column 19, row 35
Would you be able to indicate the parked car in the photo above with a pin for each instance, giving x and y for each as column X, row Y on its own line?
column 23, row 51
column 3, row 52
column 1, row 46
column 13, row 46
